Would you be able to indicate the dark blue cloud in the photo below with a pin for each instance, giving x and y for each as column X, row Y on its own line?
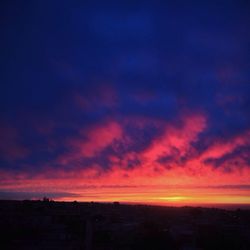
column 158, row 58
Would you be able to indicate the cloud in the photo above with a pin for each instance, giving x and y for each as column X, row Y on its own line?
column 131, row 94
column 178, row 138
column 11, row 147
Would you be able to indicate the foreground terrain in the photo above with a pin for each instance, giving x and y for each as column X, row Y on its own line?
column 73, row 225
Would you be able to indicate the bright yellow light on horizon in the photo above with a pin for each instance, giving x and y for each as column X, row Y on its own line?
column 165, row 196
column 172, row 198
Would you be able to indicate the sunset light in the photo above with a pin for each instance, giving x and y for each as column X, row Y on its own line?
column 133, row 103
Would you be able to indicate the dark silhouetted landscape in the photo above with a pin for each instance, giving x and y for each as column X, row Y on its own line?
column 113, row 226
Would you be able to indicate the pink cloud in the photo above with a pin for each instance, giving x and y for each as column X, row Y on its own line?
column 223, row 147
column 92, row 141
column 176, row 138
column 99, row 137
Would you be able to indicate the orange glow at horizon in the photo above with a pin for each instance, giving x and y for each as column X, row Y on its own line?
column 164, row 196
column 144, row 187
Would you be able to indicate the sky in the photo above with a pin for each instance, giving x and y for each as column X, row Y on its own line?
column 136, row 101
